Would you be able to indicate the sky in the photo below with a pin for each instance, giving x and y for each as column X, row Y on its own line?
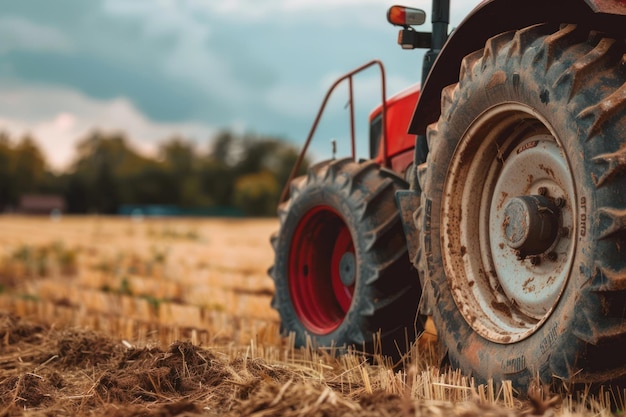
column 155, row 69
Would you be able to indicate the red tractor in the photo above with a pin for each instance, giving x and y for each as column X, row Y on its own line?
column 495, row 206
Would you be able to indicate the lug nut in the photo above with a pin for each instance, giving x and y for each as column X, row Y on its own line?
column 520, row 256
column 551, row 256
column 542, row 191
column 535, row 260
column 559, row 202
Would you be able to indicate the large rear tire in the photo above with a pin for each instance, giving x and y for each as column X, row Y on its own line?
column 523, row 214
column 342, row 274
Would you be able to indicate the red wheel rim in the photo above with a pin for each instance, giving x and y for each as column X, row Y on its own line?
column 322, row 270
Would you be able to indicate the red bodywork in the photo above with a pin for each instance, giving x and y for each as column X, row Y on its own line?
column 400, row 143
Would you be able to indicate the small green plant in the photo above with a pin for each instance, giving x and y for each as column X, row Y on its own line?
column 38, row 261
column 193, row 235
column 66, row 258
column 159, row 256
column 29, row 297
column 104, row 266
column 153, row 302
column 22, row 254
column 125, row 287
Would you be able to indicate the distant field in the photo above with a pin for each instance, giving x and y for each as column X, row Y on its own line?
column 169, row 278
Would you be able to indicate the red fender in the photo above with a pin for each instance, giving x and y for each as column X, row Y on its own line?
column 608, row 6
column 492, row 17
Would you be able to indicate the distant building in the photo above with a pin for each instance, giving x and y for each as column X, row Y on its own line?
column 41, row 204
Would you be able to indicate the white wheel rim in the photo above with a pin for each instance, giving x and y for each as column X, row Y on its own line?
column 509, row 152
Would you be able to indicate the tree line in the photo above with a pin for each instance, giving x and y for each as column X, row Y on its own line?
column 242, row 172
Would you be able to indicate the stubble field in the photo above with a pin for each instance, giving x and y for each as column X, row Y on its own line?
column 166, row 317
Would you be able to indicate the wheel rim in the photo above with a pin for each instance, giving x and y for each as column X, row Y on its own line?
column 508, row 211
column 322, row 270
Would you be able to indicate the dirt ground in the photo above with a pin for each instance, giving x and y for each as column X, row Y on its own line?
column 137, row 317
column 79, row 372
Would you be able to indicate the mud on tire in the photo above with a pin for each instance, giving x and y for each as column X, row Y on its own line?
column 341, row 271
column 537, row 114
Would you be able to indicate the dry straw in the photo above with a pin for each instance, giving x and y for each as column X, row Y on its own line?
column 180, row 324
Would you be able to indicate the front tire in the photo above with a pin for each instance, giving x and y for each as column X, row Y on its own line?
column 342, row 274
column 523, row 214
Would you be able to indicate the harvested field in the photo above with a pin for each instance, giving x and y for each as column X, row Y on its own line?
column 153, row 279
column 171, row 317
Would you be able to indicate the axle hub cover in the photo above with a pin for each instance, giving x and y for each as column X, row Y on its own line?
column 530, row 224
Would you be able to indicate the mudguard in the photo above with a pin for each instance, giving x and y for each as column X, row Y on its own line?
column 608, row 6
column 496, row 16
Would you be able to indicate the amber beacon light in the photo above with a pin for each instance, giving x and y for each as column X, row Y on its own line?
column 405, row 16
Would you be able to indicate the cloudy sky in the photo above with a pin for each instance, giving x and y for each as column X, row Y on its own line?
column 156, row 68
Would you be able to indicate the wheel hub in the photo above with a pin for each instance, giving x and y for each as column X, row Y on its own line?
column 347, row 269
column 531, row 224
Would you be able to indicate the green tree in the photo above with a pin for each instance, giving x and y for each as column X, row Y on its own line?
column 29, row 165
column 243, row 171
column 179, row 156
column 223, row 148
column 183, row 165
column 217, row 176
column 8, row 193
column 24, row 170
column 259, row 158
column 257, row 194
column 104, row 173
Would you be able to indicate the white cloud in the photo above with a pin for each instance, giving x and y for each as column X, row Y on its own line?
column 58, row 118
column 190, row 58
column 272, row 81
column 21, row 34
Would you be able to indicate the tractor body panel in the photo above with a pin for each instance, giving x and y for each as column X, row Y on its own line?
column 400, row 142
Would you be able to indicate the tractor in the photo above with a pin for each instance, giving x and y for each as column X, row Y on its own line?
column 493, row 202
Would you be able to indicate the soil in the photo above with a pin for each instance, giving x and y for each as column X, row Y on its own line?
column 47, row 371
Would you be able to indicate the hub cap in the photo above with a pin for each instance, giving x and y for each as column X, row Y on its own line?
column 322, row 270
column 530, row 224
column 508, row 215
column 347, row 269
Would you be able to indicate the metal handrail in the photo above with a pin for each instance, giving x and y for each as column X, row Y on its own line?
column 285, row 194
